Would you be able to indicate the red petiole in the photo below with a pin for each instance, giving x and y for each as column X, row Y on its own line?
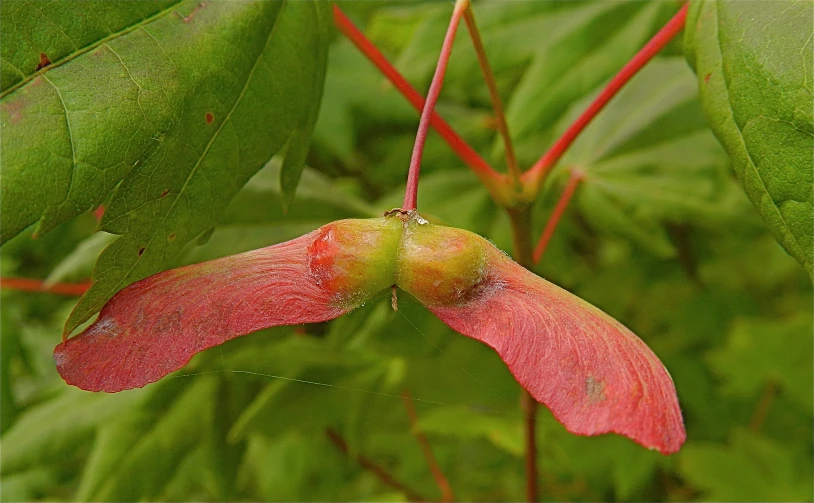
column 559, row 209
column 35, row 285
column 411, row 194
column 467, row 154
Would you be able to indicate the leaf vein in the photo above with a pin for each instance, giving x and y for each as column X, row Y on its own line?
column 203, row 155
column 90, row 47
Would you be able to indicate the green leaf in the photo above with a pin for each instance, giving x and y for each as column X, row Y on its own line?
column 30, row 485
column 648, row 159
column 142, row 469
column 750, row 468
column 234, row 86
column 354, row 85
column 760, row 352
column 58, row 426
column 754, row 61
column 504, row 432
column 78, row 265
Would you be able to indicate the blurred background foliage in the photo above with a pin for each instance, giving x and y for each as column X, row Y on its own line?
column 659, row 235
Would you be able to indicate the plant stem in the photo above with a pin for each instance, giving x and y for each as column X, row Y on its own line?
column 497, row 104
column 411, row 194
column 440, row 479
column 537, row 172
column 559, row 209
column 529, row 406
column 467, row 154
column 764, row 405
column 35, row 285
column 520, row 218
column 383, row 475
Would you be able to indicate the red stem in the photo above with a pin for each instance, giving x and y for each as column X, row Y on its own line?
column 440, row 479
column 491, row 85
column 536, row 173
column 411, row 193
column 476, row 163
column 559, row 209
column 383, row 475
column 35, row 285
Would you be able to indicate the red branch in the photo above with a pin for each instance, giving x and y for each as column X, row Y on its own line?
column 411, row 193
column 35, row 285
column 435, row 469
column 491, row 85
column 536, row 173
column 476, row 163
column 559, row 209
column 380, row 473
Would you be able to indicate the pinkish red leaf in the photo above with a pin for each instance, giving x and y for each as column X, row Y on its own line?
column 591, row 371
column 156, row 325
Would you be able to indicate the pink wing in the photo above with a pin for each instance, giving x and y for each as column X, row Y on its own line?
column 155, row 326
column 591, row 371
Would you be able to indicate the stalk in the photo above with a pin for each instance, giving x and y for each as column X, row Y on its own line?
column 411, row 194
column 488, row 176
column 559, row 209
column 35, row 285
column 497, row 104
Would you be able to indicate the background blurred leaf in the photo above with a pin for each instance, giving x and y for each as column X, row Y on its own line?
column 649, row 160
column 760, row 353
column 749, row 468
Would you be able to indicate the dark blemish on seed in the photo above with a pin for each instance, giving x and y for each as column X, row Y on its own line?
column 209, row 117
column 44, row 61
column 706, row 78
column 595, row 389
column 164, row 194
column 171, row 237
column 141, row 251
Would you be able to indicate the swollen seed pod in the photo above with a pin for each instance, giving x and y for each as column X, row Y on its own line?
column 354, row 259
column 440, row 265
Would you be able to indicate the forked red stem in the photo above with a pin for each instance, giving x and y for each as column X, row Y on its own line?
column 559, row 209
column 35, row 285
column 475, row 162
column 411, row 194
column 537, row 172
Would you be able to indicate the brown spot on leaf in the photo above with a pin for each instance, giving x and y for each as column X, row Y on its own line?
column 209, row 117
column 171, row 237
column 706, row 78
column 164, row 194
column 198, row 7
column 44, row 61
column 14, row 108
column 141, row 251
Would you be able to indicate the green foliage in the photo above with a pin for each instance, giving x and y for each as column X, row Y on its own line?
column 200, row 118
column 658, row 235
column 753, row 61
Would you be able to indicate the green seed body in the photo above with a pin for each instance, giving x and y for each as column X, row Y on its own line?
column 440, row 265
column 355, row 259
